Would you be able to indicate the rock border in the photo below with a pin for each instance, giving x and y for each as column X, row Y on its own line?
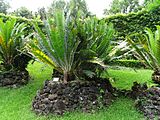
column 58, row 98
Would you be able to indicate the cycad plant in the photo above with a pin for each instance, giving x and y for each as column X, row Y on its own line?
column 95, row 44
column 57, row 44
column 11, row 43
column 147, row 48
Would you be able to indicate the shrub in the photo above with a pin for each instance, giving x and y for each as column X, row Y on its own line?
column 70, row 45
column 125, row 24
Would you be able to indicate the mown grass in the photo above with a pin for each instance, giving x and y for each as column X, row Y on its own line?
column 123, row 79
column 15, row 104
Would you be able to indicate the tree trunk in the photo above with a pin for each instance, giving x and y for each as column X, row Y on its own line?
column 65, row 78
column 156, row 76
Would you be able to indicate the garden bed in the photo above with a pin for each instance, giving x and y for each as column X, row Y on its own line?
column 149, row 103
column 57, row 97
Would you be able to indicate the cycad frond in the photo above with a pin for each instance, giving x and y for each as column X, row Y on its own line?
column 55, row 44
column 148, row 47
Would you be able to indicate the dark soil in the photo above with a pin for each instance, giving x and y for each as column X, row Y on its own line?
column 88, row 96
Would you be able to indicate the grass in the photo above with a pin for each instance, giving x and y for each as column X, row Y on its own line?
column 15, row 104
column 123, row 79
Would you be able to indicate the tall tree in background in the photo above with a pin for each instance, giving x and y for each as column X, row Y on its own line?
column 23, row 12
column 4, row 6
column 81, row 6
column 115, row 7
column 41, row 13
column 63, row 5
column 56, row 4
column 123, row 6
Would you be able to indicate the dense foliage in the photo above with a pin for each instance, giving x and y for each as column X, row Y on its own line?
column 58, row 47
column 125, row 24
column 147, row 47
column 95, row 46
column 123, row 6
column 128, row 63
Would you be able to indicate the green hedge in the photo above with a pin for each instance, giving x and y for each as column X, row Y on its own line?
column 134, row 22
column 30, row 27
column 124, row 24
column 19, row 19
column 128, row 63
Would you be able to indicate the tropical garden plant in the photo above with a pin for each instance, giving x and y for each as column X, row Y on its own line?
column 57, row 44
column 95, row 45
column 11, row 44
column 69, row 44
column 147, row 49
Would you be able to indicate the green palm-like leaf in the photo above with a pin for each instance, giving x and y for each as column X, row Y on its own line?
column 97, row 35
column 148, row 47
column 157, row 46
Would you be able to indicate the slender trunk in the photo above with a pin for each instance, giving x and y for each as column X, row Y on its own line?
column 65, row 77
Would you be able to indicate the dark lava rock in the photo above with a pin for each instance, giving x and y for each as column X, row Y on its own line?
column 14, row 78
column 137, row 89
column 149, row 103
column 156, row 77
column 57, row 98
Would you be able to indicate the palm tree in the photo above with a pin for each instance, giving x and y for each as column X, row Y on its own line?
column 147, row 48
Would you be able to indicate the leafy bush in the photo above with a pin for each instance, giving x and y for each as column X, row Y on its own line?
column 152, row 5
column 147, row 47
column 70, row 45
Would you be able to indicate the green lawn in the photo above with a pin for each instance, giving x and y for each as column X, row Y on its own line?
column 15, row 104
column 123, row 79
